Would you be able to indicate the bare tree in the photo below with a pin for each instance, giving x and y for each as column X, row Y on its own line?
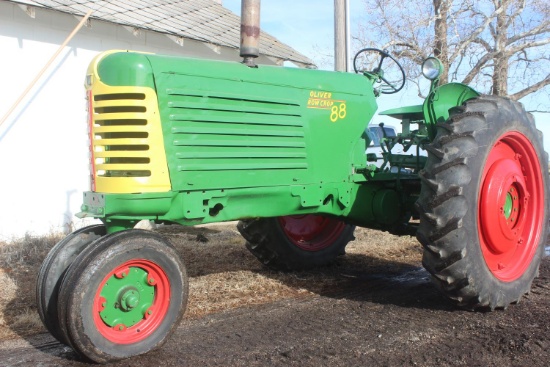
column 499, row 46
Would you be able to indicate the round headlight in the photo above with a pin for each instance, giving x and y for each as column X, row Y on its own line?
column 432, row 68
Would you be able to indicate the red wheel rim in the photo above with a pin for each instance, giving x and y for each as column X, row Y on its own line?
column 122, row 330
column 311, row 232
column 511, row 207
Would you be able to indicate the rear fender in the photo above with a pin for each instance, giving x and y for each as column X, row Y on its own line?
column 436, row 107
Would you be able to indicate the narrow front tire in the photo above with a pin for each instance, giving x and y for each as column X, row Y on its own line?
column 53, row 269
column 123, row 297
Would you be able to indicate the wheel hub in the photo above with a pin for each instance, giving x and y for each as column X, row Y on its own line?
column 129, row 300
column 311, row 232
column 126, row 297
column 511, row 206
column 500, row 210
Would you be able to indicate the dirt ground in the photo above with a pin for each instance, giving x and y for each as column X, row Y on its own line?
column 375, row 306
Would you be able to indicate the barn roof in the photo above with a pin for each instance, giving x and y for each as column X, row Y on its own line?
column 202, row 20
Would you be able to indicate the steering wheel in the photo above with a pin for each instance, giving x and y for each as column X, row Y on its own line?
column 386, row 86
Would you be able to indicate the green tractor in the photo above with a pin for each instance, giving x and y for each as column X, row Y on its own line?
column 282, row 150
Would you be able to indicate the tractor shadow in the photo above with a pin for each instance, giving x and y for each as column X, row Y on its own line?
column 375, row 275
column 365, row 278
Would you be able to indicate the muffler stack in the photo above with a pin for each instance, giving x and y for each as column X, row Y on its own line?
column 250, row 31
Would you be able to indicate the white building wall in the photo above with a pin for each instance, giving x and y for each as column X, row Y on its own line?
column 43, row 143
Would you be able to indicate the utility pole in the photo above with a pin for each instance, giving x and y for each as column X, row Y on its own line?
column 340, row 35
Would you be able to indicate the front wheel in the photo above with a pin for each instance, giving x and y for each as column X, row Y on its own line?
column 296, row 242
column 484, row 204
column 53, row 269
column 123, row 296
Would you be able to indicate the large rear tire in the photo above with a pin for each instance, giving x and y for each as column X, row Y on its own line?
column 296, row 242
column 484, row 204
column 123, row 296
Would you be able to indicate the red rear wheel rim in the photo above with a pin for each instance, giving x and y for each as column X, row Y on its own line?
column 152, row 315
column 511, row 207
column 311, row 232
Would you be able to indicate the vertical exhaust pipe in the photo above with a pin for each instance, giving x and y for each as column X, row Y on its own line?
column 250, row 31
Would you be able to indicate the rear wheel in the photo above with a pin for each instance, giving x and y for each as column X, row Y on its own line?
column 53, row 269
column 296, row 242
column 483, row 205
column 123, row 297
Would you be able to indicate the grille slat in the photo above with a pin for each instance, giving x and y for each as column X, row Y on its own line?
column 120, row 122
column 122, row 141
column 122, row 166
column 118, row 116
column 121, row 135
column 117, row 103
column 119, row 129
column 122, row 154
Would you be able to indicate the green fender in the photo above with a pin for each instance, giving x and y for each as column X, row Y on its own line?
column 436, row 107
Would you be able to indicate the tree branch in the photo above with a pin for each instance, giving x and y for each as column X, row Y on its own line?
column 477, row 68
column 525, row 46
column 541, row 29
column 475, row 34
column 531, row 89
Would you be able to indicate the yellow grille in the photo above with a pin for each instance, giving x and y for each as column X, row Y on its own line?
column 127, row 142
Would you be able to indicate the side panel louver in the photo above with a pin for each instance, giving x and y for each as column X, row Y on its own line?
column 220, row 136
column 224, row 132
